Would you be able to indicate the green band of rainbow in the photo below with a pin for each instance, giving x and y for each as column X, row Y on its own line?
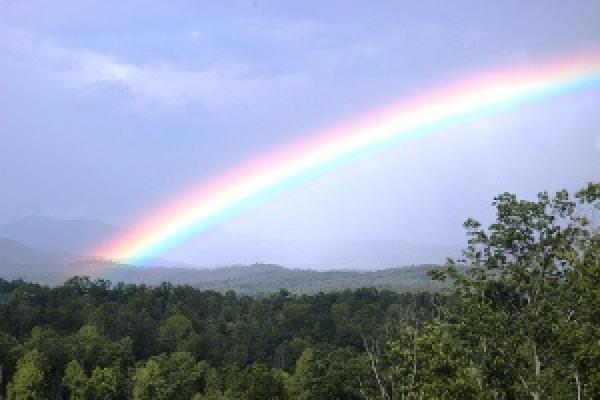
column 266, row 176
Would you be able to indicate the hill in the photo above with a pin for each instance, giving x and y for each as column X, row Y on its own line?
column 265, row 278
column 18, row 261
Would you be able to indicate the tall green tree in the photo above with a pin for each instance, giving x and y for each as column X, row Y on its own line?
column 579, row 326
column 75, row 381
column 432, row 363
column 182, row 375
column 9, row 355
column 102, row 384
column 177, row 334
column 28, row 380
column 333, row 374
column 261, row 383
column 519, row 272
column 213, row 389
column 149, row 383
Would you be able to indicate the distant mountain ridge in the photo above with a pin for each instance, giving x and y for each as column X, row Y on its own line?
column 267, row 278
column 18, row 261
column 18, row 253
column 50, row 251
column 71, row 236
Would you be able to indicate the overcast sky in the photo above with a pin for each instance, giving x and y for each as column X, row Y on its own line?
column 110, row 108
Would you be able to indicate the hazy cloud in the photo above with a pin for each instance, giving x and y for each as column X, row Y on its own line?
column 220, row 85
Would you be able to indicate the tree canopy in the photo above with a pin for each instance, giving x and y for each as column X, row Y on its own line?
column 520, row 319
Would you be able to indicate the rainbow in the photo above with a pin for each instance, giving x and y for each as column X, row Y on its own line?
column 216, row 201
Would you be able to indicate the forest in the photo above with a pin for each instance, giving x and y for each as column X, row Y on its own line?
column 517, row 317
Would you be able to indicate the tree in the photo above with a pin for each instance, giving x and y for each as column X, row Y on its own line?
column 148, row 382
column 579, row 325
column 28, row 380
column 102, row 384
column 212, row 390
column 52, row 345
column 87, row 347
column 335, row 374
column 431, row 363
column 9, row 355
column 584, row 325
column 176, row 334
column 261, row 383
column 181, row 374
column 514, row 292
column 75, row 381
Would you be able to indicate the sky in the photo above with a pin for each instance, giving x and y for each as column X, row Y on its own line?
column 110, row 109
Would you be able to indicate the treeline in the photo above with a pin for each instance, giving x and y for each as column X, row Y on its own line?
column 138, row 336
column 260, row 279
column 522, row 321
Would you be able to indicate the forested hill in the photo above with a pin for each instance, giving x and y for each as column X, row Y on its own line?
column 264, row 278
column 18, row 261
column 32, row 266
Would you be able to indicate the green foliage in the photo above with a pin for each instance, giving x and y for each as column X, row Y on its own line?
column 9, row 354
column 259, row 382
column 213, row 389
column 75, row 381
column 521, row 321
column 28, row 380
column 152, row 338
column 528, row 299
column 149, row 383
column 431, row 363
column 332, row 374
column 177, row 334
column 182, row 374
column 102, row 385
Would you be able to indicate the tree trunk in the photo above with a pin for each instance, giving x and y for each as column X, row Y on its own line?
column 414, row 357
column 371, row 355
column 538, row 367
column 578, row 383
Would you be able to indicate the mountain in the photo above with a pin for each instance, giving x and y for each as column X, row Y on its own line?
column 72, row 236
column 18, row 261
column 50, row 251
column 14, row 252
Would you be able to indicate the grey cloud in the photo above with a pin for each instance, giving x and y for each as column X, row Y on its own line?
column 161, row 84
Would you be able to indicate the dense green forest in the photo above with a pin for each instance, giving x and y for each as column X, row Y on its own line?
column 520, row 319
